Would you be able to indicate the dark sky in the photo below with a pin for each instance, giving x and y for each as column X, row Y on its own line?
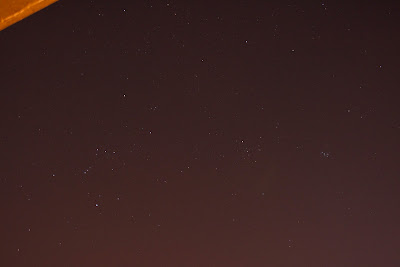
column 216, row 133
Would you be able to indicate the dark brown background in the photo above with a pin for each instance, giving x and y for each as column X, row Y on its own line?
column 220, row 133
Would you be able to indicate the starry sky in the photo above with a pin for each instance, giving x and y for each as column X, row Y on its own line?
column 202, row 133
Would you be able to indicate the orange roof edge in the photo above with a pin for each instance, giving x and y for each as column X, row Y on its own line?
column 12, row 11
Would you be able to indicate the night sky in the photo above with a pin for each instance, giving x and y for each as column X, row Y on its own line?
column 208, row 133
